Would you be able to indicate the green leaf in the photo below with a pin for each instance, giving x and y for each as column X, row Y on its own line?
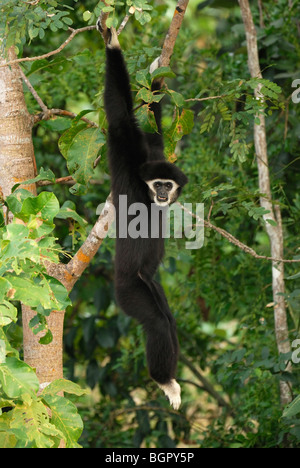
column 26, row 291
column 182, row 125
column 46, row 205
column 43, row 175
column 31, row 423
column 147, row 119
column 112, row 22
column 144, row 94
column 16, row 199
column 105, row 338
column 296, row 276
column 293, row 408
column 18, row 379
column 271, row 221
column 162, row 72
column 4, row 287
column 80, row 147
column 38, row 211
column 107, row 9
column 142, row 17
column 58, row 293
column 186, row 121
column 78, row 189
column 7, row 439
column 143, row 78
column 68, row 211
column 65, row 418
column 8, row 313
column 177, row 98
column 47, row 338
column 63, row 385
column 44, row 291
column 2, row 220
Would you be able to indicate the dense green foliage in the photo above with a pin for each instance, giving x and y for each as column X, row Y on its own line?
column 229, row 367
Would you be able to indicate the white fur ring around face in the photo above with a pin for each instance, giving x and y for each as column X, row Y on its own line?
column 172, row 390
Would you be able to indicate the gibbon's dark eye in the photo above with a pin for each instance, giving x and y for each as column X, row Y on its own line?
column 157, row 185
column 169, row 186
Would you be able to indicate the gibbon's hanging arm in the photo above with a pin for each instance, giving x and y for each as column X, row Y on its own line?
column 140, row 171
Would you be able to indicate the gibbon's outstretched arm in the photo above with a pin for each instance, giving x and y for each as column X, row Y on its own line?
column 124, row 133
column 117, row 97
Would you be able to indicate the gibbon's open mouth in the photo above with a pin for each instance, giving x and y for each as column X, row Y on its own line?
column 162, row 198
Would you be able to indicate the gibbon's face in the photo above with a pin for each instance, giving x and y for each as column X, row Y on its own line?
column 163, row 191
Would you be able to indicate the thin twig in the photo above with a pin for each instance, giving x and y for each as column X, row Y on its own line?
column 68, row 180
column 61, row 180
column 261, row 14
column 233, row 239
column 126, row 19
column 206, row 98
column 53, row 52
column 64, row 113
column 206, row 384
column 48, row 113
column 33, row 92
column 210, row 209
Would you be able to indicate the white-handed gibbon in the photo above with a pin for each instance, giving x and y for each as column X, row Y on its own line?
column 140, row 171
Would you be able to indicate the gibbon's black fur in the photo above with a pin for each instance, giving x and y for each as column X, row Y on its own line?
column 136, row 160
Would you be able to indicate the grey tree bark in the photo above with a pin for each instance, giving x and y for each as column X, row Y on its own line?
column 274, row 230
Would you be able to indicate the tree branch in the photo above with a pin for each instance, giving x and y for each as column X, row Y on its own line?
column 234, row 240
column 33, row 91
column 48, row 113
column 88, row 250
column 53, row 52
column 68, row 180
column 206, row 384
column 205, row 98
column 169, row 42
column 274, row 230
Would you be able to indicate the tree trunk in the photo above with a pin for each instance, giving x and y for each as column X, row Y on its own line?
column 17, row 164
column 275, row 232
column 16, row 148
column 46, row 359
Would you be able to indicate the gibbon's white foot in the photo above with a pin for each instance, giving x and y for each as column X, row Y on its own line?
column 154, row 65
column 113, row 42
column 109, row 35
column 172, row 390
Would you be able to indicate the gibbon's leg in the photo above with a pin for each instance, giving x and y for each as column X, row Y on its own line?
column 171, row 389
column 164, row 303
column 137, row 300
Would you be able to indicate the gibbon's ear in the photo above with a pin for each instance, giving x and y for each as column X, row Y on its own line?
column 162, row 170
